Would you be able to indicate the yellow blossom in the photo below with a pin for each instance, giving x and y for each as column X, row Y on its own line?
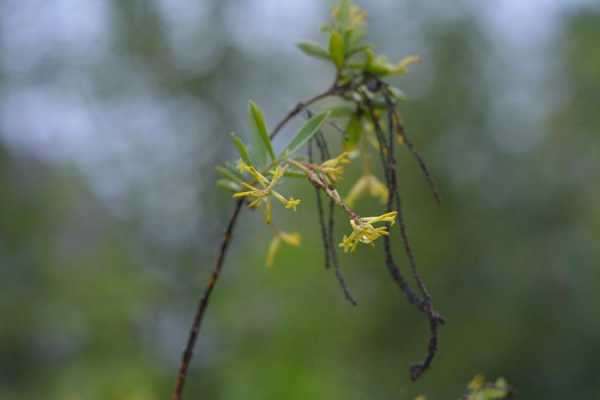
column 290, row 203
column 292, row 239
column 334, row 168
column 363, row 230
column 260, row 196
column 367, row 183
column 243, row 167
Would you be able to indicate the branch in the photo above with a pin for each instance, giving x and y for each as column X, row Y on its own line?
column 423, row 301
column 189, row 348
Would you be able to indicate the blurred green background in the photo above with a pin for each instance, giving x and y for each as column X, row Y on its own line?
column 113, row 115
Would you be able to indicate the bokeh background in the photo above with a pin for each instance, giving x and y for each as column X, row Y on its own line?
column 113, row 115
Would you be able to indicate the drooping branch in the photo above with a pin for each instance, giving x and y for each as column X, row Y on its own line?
column 422, row 300
column 329, row 244
column 401, row 132
column 327, row 230
column 321, row 214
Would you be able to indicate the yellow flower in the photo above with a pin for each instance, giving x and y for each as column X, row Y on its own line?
column 367, row 183
column 293, row 239
column 334, row 168
column 245, row 168
column 259, row 196
column 290, row 203
column 363, row 231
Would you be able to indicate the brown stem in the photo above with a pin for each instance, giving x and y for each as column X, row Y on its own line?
column 189, row 348
column 423, row 302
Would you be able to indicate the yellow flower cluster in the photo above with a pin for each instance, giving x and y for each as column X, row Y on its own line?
column 334, row 168
column 260, row 196
column 363, row 230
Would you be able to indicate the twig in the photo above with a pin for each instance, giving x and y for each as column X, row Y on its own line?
column 327, row 230
column 423, row 303
column 299, row 108
column 189, row 348
column 411, row 148
column 321, row 213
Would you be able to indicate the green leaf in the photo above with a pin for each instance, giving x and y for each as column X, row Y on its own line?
column 397, row 93
column 314, row 50
column 229, row 174
column 310, row 128
column 228, row 185
column 241, row 148
column 359, row 49
column 341, row 111
column 336, row 49
column 353, row 133
column 261, row 135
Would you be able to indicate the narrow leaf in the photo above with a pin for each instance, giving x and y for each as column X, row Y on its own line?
column 241, row 148
column 259, row 129
column 229, row 174
column 353, row 133
column 336, row 49
column 358, row 49
column 397, row 93
column 310, row 128
column 229, row 185
column 341, row 111
column 314, row 50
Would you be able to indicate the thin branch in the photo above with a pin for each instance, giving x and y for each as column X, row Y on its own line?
column 396, row 195
column 203, row 303
column 393, row 269
column 423, row 304
column 321, row 213
column 411, row 148
column 331, row 242
column 299, row 108
column 329, row 245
